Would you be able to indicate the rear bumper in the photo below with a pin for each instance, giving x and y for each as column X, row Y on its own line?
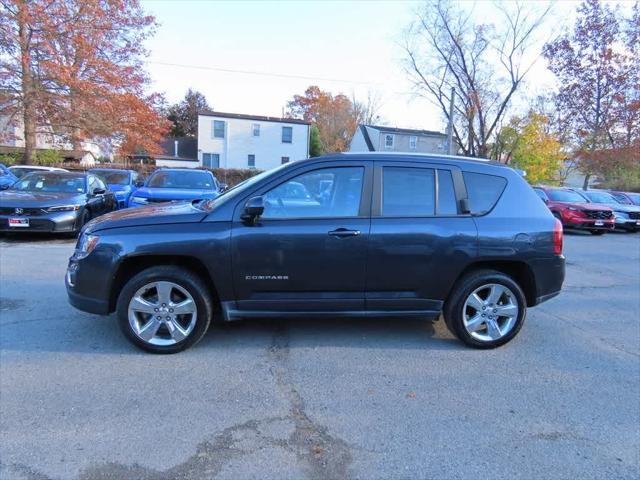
column 549, row 276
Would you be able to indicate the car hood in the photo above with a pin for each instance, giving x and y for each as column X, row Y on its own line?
column 174, row 212
column 585, row 206
column 619, row 207
column 13, row 198
column 174, row 193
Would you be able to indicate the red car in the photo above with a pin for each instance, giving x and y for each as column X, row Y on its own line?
column 575, row 210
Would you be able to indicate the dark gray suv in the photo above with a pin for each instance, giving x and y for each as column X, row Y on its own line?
column 343, row 235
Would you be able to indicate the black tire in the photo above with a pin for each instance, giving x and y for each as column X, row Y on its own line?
column 598, row 232
column 186, row 279
column 464, row 287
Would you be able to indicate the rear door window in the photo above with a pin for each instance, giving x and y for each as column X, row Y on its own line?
column 447, row 204
column 483, row 191
column 408, row 192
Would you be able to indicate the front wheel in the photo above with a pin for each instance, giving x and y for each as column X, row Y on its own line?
column 164, row 309
column 486, row 309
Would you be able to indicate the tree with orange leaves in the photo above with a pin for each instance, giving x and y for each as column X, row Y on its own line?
column 74, row 67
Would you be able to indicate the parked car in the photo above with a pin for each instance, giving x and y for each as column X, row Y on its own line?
column 21, row 170
column 121, row 182
column 627, row 217
column 7, row 178
column 54, row 202
column 626, row 198
column 402, row 235
column 169, row 184
column 575, row 211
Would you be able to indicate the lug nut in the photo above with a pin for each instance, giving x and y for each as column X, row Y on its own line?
column 171, row 310
column 495, row 310
column 158, row 317
column 164, row 304
column 484, row 308
column 483, row 315
column 155, row 309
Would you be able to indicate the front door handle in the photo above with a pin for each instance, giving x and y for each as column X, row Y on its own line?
column 344, row 232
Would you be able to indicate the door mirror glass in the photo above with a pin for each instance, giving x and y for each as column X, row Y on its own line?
column 98, row 191
column 253, row 208
column 223, row 187
column 139, row 183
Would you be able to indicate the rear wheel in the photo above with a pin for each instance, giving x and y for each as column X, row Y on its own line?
column 598, row 232
column 164, row 309
column 486, row 309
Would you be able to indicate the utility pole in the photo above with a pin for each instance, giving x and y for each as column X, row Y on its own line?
column 450, row 125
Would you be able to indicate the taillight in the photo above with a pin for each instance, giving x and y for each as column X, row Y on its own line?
column 557, row 238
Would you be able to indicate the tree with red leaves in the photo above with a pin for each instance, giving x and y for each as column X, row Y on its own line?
column 598, row 72
column 74, row 68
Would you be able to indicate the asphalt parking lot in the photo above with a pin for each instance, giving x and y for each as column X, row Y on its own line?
column 299, row 399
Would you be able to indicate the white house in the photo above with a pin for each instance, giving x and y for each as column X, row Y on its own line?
column 12, row 141
column 371, row 138
column 230, row 140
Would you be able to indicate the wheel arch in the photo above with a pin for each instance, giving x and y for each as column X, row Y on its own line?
column 519, row 271
column 133, row 265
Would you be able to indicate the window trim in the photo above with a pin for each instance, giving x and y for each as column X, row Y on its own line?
column 393, row 141
column 364, row 211
column 282, row 134
column 282, row 162
column 249, row 155
column 254, row 129
column 415, row 143
column 213, row 129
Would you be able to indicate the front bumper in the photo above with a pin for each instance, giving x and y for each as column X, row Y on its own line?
column 46, row 222
column 627, row 223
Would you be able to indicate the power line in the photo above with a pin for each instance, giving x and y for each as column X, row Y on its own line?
column 255, row 72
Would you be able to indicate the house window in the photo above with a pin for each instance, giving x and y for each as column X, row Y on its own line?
column 218, row 129
column 256, row 129
column 413, row 142
column 285, row 160
column 388, row 141
column 287, row 134
column 251, row 161
column 211, row 160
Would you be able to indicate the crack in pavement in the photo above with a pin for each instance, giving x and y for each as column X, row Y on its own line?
column 320, row 454
column 326, row 456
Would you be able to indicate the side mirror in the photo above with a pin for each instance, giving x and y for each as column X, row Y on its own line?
column 223, row 187
column 99, row 191
column 139, row 183
column 253, row 209
column 545, row 200
column 464, row 206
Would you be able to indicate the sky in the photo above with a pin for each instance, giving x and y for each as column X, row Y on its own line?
column 350, row 47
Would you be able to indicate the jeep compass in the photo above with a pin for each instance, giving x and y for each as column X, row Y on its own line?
column 378, row 234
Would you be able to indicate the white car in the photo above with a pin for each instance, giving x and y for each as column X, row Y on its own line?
column 21, row 170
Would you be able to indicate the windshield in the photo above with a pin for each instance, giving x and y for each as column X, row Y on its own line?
column 181, row 179
column 50, row 183
column 601, row 197
column 113, row 178
column 566, row 196
column 635, row 197
column 240, row 187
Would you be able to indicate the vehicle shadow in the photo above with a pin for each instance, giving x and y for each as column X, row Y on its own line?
column 82, row 333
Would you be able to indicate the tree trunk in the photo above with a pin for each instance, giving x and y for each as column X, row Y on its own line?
column 585, row 185
column 28, row 91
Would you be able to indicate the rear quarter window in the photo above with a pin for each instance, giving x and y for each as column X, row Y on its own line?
column 483, row 191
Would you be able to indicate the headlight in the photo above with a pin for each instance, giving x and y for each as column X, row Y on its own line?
column 63, row 208
column 139, row 199
column 86, row 244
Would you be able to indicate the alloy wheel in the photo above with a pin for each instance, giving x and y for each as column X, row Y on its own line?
column 162, row 313
column 490, row 312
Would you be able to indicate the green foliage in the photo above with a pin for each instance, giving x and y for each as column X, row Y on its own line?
column 9, row 159
column 315, row 145
column 623, row 177
column 184, row 114
column 533, row 148
column 48, row 157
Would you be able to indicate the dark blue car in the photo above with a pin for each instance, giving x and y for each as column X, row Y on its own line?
column 183, row 184
column 6, row 177
column 121, row 182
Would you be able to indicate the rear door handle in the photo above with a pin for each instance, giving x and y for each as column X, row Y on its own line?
column 344, row 232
